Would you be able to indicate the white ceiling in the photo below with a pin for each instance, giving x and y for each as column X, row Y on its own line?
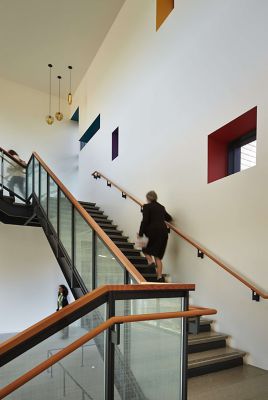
column 34, row 33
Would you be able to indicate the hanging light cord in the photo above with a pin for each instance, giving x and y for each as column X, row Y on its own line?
column 59, row 92
column 70, row 68
column 50, row 66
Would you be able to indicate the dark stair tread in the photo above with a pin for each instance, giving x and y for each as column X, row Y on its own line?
column 124, row 244
column 137, row 252
column 96, row 213
column 197, row 360
column 108, row 225
column 87, row 203
column 114, row 232
column 103, row 220
column 138, row 259
column 206, row 337
column 121, row 237
column 144, row 266
column 152, row 277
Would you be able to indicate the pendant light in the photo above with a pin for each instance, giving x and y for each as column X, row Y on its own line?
column 59, row 115
column 49, row 117
column 70, row 97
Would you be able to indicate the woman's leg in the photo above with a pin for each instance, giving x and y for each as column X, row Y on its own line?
column 159, row 267
column 149, row 259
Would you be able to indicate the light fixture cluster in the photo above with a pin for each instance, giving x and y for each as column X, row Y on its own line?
column 58, row 114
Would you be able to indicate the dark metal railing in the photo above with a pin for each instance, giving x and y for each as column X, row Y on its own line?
column 60, row 207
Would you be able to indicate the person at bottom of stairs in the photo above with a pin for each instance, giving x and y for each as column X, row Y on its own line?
column 63, row 302
column 153, row 225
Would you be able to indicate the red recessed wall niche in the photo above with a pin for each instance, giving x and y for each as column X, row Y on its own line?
column 219, row 141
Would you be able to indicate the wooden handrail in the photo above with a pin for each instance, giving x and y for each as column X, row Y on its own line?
column 91, row 335
column 195, row 244
column 67, row 311
column 12, row 158
column 94, row 225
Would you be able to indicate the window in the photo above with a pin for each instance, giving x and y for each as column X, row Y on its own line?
column 232, row 148
column 242, row 153
column 75, row 116
column 115, row 142
column 90, row 132
column 163, row 9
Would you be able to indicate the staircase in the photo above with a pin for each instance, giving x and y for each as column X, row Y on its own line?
column 209, row 352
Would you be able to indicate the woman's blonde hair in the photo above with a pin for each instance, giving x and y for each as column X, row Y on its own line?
column 151, row 196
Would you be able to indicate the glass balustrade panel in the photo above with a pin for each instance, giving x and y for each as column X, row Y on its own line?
column 36, row 177
column 108, row 269
column 14, row 178
column 30, row 178
column 50, row 346
column 43, row 189
column 65, row 223
column 149, row 356
column 53, row 203
column 83, row 249
column 80, row 375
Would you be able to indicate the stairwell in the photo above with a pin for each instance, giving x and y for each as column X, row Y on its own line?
column 208, row 351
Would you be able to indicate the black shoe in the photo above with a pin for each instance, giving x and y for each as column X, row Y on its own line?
column 162, row 279
column 152, row 265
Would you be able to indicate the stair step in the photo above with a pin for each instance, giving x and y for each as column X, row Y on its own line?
column 114, row 236
column 151, row 277
column 112, row 232
column 103, row 220
column 130, row 252
column 96, row 213
column 205, row 325
column 214, row 360
column 87, row 204
column 206, row 341
column 108, row 225
column 124, row 245
column 144, row 268
column 138, row 259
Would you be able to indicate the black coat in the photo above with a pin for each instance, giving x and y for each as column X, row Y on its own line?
column 154, row 227
column 64, row 302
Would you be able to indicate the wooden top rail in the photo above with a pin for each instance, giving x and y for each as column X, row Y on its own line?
column 94, row 225
column 88, row 298
column 12, row 158
column 128, row 195
column 244, row 281
column 91, row 335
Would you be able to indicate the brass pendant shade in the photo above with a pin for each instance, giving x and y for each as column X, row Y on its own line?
column 49, row 118
column 70, row 98
column 59, row 115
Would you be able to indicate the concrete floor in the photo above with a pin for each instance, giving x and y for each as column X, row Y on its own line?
column 240, row 383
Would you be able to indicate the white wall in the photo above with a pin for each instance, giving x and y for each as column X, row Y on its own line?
column 167, row 91
column 29, row 271
column 30, row 276
column 24, row 129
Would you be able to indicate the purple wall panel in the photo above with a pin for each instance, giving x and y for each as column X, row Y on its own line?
column 115, row 143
